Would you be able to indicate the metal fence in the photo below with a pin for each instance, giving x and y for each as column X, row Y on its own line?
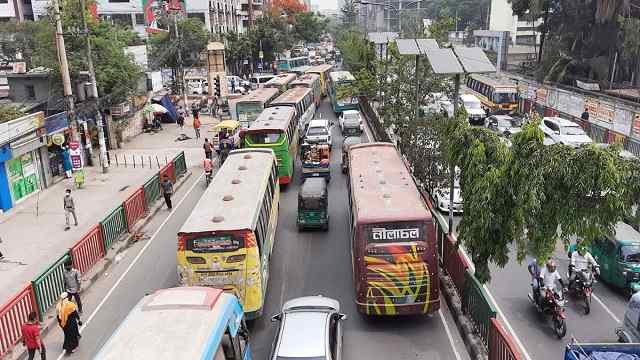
column 12, row 315
column 180, row 164
column 134, row 208
column 168, row 171
column 501, row 346
column 49, row 285
column 454, row 262
column 151, row 190
column 114, row 225
column 476, row 305
column 88, row 250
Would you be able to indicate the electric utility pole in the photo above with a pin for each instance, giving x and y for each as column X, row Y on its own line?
column 94, row 92
column 180, row 83
column 64, row 64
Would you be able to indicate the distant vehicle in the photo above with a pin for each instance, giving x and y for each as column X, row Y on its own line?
column 473, row 106
column 435, row 104
column 302, row 100
column 503, row 125
column 581, row 351
column 313, row 204
column 619, row 257
column 310, row 81
column 563, row 131
column 282, row 82
column 318, row 132
column 346, row 144
column 338, row 79
column 241, row 85
column 323, row 71
column 181, row 323
column 351, row 123
column 291, row 64
column 248, row 107
column 498, row 96
column 258, row 80
column 310, row 328
column 393, row 247
column 442, row 195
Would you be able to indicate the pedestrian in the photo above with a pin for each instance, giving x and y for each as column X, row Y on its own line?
column 195, row 111
column 585, row 115
column 69, row 321
column 69, row 208
column 66, row 162
column 72, row 283
column 233, row 85
column 208, row 148
column 196, row 127
column 167, row 191
column 31, row 337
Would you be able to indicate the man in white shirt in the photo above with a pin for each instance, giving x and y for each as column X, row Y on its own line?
column 580, row 260
column 549, row 275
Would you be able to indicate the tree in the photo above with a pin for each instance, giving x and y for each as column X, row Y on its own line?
column 439, row 29
column 22, row 38
column 8, row 113
column 349, row 13
column 308, row 27
column 631, row 45
column 287, row 8
column 357, row 53
column 192, row 41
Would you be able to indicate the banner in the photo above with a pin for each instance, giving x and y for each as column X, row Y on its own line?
column 153, row 10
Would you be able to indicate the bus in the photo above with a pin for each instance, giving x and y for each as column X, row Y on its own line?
column 393, row 239
column 292, row 64
column 227, row 240
column 302, row 100
column 181, row 323
column 322, row 71
column 281, row 82
column 338, row 79
column 249, row 106
column 276, row 129
column 310, row 81
column 499, row 96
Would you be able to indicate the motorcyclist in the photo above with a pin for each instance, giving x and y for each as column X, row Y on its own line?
column 534, row 271
column 548, row 277
column 208, row 166
column 580, row 260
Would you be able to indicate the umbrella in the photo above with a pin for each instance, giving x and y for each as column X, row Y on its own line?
column 155, row 108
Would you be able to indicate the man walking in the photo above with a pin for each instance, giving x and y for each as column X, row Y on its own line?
column 72, row 283
column 196, row 127
column 167, row 191
column 585, row 115
column 69, row 209
column 31, row 337
column 208, row 149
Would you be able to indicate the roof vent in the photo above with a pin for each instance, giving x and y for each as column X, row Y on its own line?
column 382, row 182
column 227, row 198
column 242, row 167
column 378, row 170
column 267, row 124
column 247, row 156
column 387, row 196
column 236, row 181
column 218, row 219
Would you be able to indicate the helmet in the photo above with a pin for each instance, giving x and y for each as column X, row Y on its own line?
column 551, row 265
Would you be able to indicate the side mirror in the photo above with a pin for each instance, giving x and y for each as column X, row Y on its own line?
column 343, row 316
column 276, row 317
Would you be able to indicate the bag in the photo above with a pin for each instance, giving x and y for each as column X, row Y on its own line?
column 196, row 123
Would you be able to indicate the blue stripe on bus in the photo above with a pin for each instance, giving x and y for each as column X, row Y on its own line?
column 231, row 306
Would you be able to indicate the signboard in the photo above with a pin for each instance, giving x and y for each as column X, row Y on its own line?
column 606, row 112
column 75, row 153
column 20, row 67
column 635, row 130
column 588, row 86
column 57, row 139
column 541, row 96
column 396, row 232
column 56, row 122
column 20, row 126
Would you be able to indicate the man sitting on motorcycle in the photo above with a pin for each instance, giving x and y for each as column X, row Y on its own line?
column 548, row 276
column 580, row 260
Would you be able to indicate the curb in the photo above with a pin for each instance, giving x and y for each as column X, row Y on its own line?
column 118, row 246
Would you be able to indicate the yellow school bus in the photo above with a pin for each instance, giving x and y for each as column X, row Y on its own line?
column 499, row 96
column 227, row 240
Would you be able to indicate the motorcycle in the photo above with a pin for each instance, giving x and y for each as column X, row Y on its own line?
column 582, row 287
column 552, row 304
column 208, row 176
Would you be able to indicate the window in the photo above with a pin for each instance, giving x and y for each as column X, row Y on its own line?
column 118, row 1
column 4, row 1
column 31, row 92
column 139, row 19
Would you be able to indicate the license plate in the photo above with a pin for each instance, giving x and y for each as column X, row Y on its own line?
column 316, row 174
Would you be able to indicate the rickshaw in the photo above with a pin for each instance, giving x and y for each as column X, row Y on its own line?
column 312, row 205
column 629, row 332
column 619, row 258
column 315, row 161
column 346, row 144
column 232, row 127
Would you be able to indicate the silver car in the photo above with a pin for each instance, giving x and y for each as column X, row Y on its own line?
column 310, row 329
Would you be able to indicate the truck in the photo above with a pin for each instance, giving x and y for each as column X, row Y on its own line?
column 576, row 351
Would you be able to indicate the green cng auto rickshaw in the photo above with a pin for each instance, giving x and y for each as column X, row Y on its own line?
column 629, row 332
column 619, row 258
column 351, row 140
column 312, row 204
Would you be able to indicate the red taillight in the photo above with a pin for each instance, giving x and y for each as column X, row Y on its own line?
column 195, row 260
column 235, row 258
column 250, row 240
column 182, row 244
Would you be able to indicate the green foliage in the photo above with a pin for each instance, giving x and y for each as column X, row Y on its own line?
column 8, row 113
column 366, row 84
column 472, row 14
column 357, row 53
column 192, row 41
column 349, row 13
column 25, row 38
column 308, row 27
column 439, row 29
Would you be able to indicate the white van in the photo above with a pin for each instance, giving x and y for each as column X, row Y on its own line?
column 258, row 80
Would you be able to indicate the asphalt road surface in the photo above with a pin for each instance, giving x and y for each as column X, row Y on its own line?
column 303, row 263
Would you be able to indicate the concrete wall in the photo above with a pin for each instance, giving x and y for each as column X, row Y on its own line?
column 18, row 88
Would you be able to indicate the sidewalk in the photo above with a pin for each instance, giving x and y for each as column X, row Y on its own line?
column 33, row 234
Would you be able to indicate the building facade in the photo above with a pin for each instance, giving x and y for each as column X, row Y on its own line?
column 502, row 19
column 18, row 10
column 250, row 10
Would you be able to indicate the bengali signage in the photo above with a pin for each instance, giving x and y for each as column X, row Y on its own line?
column 75, row 153
column 396, row 232
column 21, row 126
column 635, row 130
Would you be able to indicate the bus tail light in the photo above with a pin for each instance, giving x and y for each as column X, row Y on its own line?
column 195, row 260
column 235, row 258
column 250, row 240
column 182, row 244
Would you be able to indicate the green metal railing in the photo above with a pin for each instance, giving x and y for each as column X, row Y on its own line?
column 475, row 303
column 49, row 285
column 114, row 225
column 180, row 164
column 152, row 190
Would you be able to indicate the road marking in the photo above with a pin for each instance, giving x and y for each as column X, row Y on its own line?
column 606, row 309
column 135, row 260
column 449, row 335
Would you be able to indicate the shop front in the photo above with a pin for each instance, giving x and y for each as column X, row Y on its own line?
column 58, row 133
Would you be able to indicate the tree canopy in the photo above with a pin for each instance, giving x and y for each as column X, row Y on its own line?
column 8, row 113
column 193, row 40
column 349, row 13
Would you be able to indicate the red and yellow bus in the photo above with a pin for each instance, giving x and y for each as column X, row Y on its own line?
column 282, row 82
column 498, row 95
column 310, row 81
column 393, row 240
column 323, row 71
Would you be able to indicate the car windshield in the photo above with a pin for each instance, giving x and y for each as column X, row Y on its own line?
column 631, row 253
column 312, row 204
column 473, row 104
column 351, row 117
column 505, row 123
column 504, row 98
column 572, row 130
column 316, row 131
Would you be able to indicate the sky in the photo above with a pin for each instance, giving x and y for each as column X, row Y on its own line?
column 326, row 4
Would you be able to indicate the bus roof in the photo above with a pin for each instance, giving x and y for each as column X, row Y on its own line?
column 496, row 82
column 382, row 186
column 281, row 79
column 306, row 79
column 338, row 76
column 291, row 96
column 262, row 95
column 175, row 323
column 273, row 118
column 320, row 68
column 233, row 200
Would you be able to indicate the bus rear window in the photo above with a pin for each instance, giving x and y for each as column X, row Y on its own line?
column 395, row 232
column 215, row 243
column 264, row 137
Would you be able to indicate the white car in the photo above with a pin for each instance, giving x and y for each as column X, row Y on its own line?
column 351, row 121
column 318, row 132
column 563, row 131
column 441, row 197
column 474, row 109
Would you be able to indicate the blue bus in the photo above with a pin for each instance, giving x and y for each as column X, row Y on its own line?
column 336, row 80
column 181, row 323
column 294, row 65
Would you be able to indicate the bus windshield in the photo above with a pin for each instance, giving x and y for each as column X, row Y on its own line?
column 265, row 137
column 504, row 98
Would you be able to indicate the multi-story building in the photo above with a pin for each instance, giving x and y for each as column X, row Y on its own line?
column 250, row 10
column 371, row 18
column 19, row 10
column 502, row 19
column 397, row 11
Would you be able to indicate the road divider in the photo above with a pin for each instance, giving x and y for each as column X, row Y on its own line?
column 43, row 292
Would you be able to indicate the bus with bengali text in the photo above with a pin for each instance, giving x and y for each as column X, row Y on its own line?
column 227, row 240
column 393, row 239
column 276, row 129
column 282, row 82
column 310, row 81
column 323, row 71
column 248, row 107
column 338, row 79
column 498, row 95
column 181, row 323
column 293, row 64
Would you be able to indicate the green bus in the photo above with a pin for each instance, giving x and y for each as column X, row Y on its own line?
column 275, row 128
column 336, row 80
